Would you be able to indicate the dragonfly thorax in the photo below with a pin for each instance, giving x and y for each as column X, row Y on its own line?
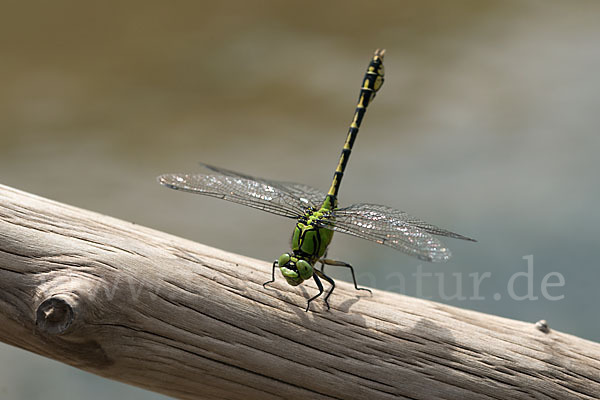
column 309, row 240
column 309, row 244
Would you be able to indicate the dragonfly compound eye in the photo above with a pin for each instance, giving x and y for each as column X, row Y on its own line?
column 283, row 259
column 291, row 275
column 304, row 269
column 289, row 269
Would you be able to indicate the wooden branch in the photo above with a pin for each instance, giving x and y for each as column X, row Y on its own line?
column 176, row 317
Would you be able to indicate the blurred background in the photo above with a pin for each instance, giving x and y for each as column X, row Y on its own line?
column 487, row 125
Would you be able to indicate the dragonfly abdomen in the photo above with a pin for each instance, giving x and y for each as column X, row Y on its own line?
column 371, row 84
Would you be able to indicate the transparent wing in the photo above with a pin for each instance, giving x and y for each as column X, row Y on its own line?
column 392, row 228
column 309, row 196
column 305, row 193
column 286, row 199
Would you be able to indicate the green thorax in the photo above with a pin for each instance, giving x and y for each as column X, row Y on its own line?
column 310, row 241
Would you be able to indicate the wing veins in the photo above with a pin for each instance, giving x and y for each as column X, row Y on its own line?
column 252, row 193
column 392, row 228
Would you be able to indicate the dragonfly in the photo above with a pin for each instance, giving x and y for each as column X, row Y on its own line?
column 317, row 213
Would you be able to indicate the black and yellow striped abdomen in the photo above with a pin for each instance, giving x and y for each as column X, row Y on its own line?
column 371, row 84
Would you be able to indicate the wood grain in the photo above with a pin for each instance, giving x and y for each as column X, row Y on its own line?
column 176, row 317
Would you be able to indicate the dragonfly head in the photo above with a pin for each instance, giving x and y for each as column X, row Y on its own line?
column 294, row 269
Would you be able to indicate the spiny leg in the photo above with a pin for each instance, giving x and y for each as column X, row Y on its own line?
column 331, row 282
column 320, row 286
column 327, row 261
column 321, row 261
column 272, row 275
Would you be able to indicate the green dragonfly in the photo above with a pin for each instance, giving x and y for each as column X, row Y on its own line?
column 317, row 213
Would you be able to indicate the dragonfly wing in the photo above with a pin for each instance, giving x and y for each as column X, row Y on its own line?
column 409, row 219
column 392, row 228
column 251, row 193
column 281, row 198
column 308, row 195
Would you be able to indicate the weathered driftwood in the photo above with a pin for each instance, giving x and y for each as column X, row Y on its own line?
column 176, row 317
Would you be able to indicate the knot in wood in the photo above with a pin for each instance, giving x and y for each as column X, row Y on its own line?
column 54, row 315
column 542, row 326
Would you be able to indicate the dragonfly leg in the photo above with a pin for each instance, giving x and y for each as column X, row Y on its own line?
column 331, row 282
column 320, row 286
column 321, row 261
column 342, row 264
column 272, row 274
